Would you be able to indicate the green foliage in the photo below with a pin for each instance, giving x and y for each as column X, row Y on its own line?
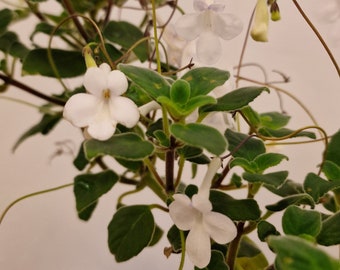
column 196, row 134
column 275, row 179
column 153, row 84
column 128, row 146
column 67, row 63
column 244, row 209
column 88, row 188
column 332, row 152
column 130, row 231
column 203, row 80
column 217, row 261
column 330, row 233
column 294, row 253
column 301, row 222
column 265, row 229
column 126, row 35
column 235, row 100
column 296, row 199
column 46, row 124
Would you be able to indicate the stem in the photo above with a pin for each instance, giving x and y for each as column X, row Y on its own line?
column 181, row 265
column 30, row 195
column 154, row 22
column 71, row 11
column 169, row 166
column 233, row 246
column 316, row 32
column 153, row 171
column 30, row 90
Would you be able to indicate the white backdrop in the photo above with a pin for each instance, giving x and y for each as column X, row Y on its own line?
column 44, row 232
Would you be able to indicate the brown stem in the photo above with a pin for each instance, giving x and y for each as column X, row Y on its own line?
column 233, row 246
column 68, row 6
column 30, row 90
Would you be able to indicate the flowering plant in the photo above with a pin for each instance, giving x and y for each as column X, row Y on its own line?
column 157, row 112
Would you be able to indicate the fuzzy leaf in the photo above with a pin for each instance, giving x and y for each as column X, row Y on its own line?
column 201, row 136
column 88, row 188
column 130, row 231
column 68, row 63
column 275, row 179
column 296, row 199
column 330, row 233
column 300, row 222
column 332, row 152
column 204, row 79
column 294, row 253
column 236, row 99
column 125, row 145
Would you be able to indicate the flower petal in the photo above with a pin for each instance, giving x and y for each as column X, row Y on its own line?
column 198, row 246
column 220, row 228
column 117, row 82
column 102, row 126
column 259, row 31
column 226, row 26
column 182, row 213
column 95, row 81
column 80, row 109
column 189, row 26
column 124, row 111
column 201, row 202
column 208, row 48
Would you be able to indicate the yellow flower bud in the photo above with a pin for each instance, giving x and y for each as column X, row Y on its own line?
column 275, row 12
column 89, row 60
column 259, row 31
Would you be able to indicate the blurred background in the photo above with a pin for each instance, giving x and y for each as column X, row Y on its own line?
column 43, row 232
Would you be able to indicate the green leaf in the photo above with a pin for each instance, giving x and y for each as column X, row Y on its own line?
column 236, row 99
column 88, row 188
column 244, row 209
column 253, row 118
column 80, row 162
column 265, row 229
column 126, row 145
column 46, row 124
column 300, row 222
column 267, row 160
column 180, row 92
column 204, row 79
column 294, row 253
column 331, row 170
column 241, row 145
column 297, row 199
column 249, row 256
column 315, row 186
column 201, row 136
column 6, row 16
column 332, row 151
column 6, row 41
column 157, row 235
column 130, row 231
column 174, row 238
column 148, row 80
column 248, row 166
column 126, row 35
column 68, row 63
column 289, row 187
column 274, row 120
column 330, row 233
column 18, row 50
column 275, row 179
column 217, row 261
column 282, row 132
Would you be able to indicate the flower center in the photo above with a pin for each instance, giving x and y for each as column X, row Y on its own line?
column 106, row 94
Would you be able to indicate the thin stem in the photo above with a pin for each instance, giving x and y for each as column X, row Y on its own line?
column 35, row 11
column 153, row 171
column 169, row 166
column 154, row 22
column 30, row 90
column 316, row 32
column 233, row 246
column 29, row 196
column 180, row 170
column 182, row 236
column 69, row 8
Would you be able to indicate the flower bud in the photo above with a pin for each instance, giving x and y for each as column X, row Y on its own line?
column 259, row 31
column 275, row 11
column 89, row 61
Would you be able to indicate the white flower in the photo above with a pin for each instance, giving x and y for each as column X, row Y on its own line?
column 197, row 216
column 209, row 24
column 102, row 108
column 259, row 31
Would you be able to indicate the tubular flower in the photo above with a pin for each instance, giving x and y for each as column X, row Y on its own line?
column 102, row 108
column 196, row 215
column 208, row 24
column 259, row 31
